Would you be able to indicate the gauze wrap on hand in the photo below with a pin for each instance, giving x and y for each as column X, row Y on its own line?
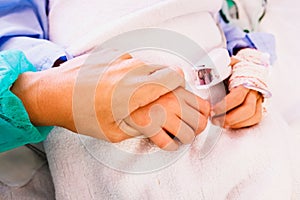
column 251, row 72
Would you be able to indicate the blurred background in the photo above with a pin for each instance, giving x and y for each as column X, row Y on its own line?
column 282, row 20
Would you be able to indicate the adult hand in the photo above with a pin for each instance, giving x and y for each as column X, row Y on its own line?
column 92, row 97
column 97, row 99
column 105, row 94
column 242, row 107
column 178, row 113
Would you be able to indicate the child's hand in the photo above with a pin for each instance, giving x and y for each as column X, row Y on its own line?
column 242, row 107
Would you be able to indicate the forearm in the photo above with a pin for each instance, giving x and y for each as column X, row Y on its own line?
column 16, row 128
column 47, row 96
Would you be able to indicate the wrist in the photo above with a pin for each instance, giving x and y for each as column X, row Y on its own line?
column 47, row 97
column 250, row 69
column 25, row 88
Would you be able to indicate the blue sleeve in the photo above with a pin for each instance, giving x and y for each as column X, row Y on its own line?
column 238, row 39
column 24, row 27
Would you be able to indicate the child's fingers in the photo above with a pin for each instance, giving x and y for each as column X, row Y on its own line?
column 234, row 99
column 241, row 113
column 255, row 119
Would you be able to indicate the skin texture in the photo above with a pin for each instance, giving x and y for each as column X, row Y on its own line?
column 182, row 114
column 48, row 97
column 241, row 108
column 159, row 113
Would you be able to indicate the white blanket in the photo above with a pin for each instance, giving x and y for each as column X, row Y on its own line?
column 255, row 163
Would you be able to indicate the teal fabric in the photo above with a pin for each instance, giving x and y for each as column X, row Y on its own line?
column 230, row 3
column 15, row 126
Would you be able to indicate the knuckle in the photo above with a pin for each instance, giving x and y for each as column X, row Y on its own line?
column 206, row 108
column 201, row 124
column 188, row 138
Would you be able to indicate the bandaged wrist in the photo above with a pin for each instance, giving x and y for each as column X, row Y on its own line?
column 16, row 128
column 251, row 71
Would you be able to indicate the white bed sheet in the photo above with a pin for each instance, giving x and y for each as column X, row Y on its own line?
column 282, row 19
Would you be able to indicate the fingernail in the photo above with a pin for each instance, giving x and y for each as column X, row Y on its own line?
column 212, row 113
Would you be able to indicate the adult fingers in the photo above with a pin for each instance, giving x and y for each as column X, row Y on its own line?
column 170, row 113
column 190, row 108
column 178, row 128
column 235, row 98
column 194, row 101
column 148, row 83
column 164, row 141
column 162, row 80
column 193, row 118
column 183, row 121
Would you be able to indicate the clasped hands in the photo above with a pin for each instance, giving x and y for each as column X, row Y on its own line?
column 129, row 98
column 162, row 109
